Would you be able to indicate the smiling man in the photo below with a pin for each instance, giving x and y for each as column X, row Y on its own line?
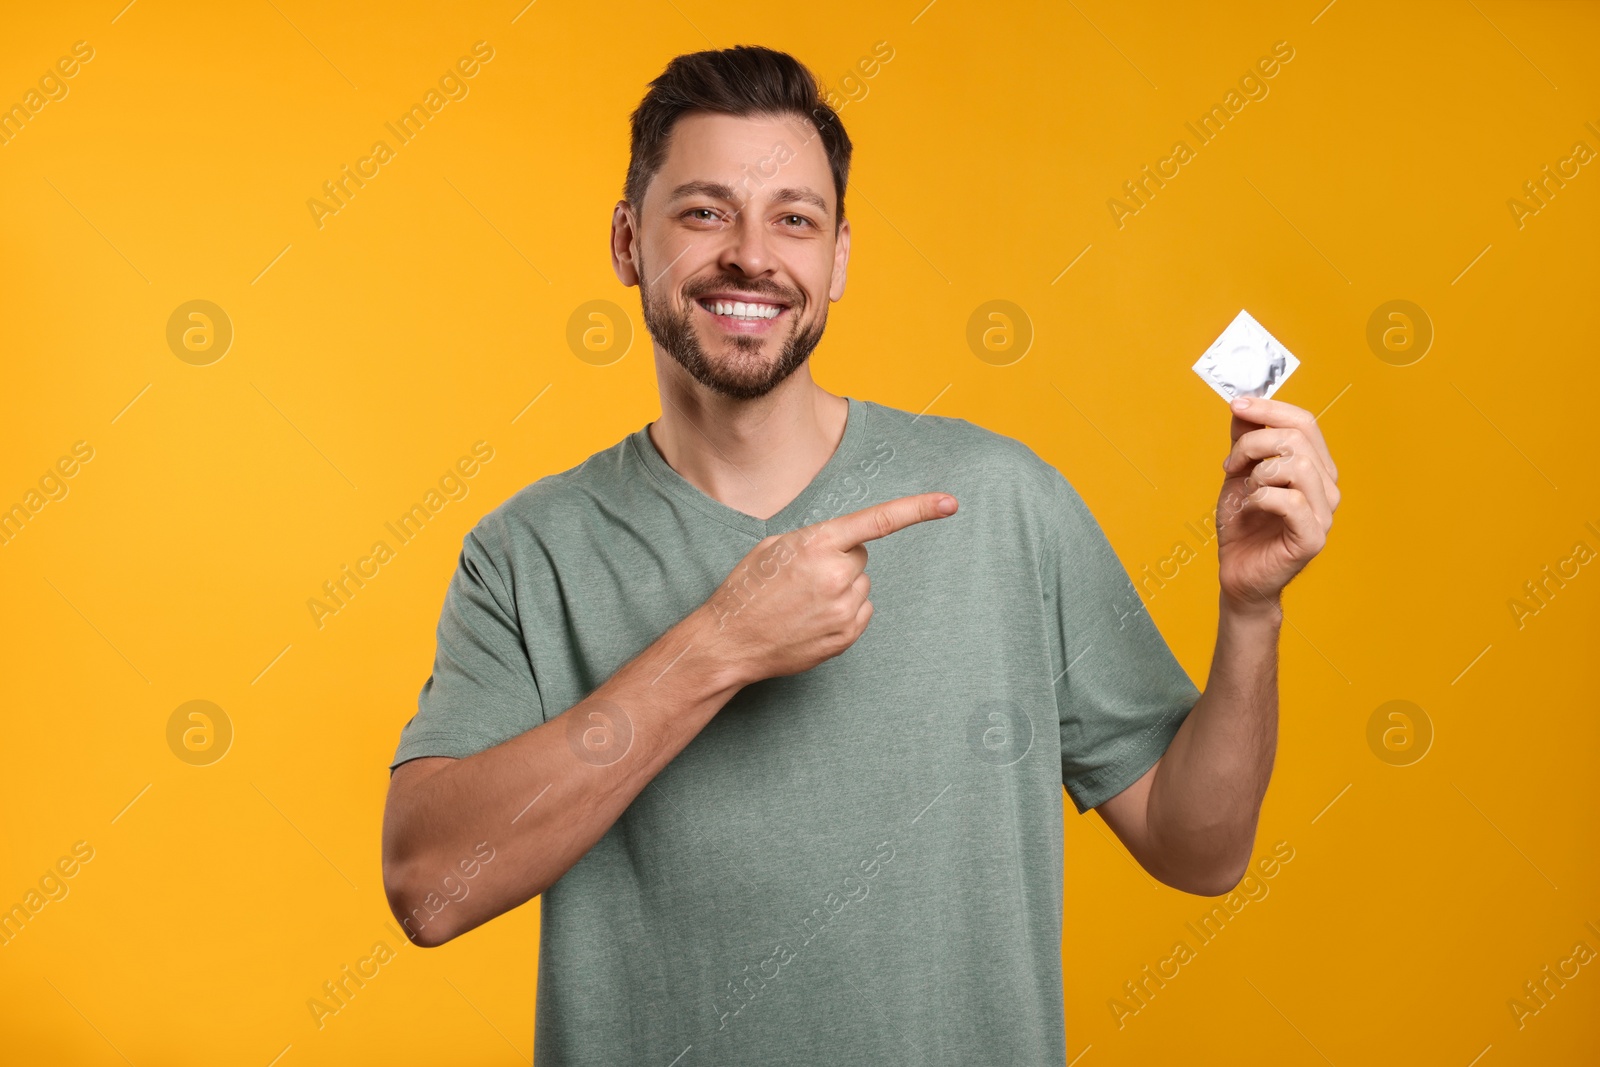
column 763, row 831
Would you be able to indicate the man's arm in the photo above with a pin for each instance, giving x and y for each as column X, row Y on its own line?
column 534, row 799
column 542, row 799
column 1191, row 819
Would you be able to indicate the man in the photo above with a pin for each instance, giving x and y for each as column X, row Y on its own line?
column 765, row 831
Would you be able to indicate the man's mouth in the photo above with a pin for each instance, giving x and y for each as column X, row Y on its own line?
column 742, row 314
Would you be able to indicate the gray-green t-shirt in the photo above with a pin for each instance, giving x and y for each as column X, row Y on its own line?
column 861, row 863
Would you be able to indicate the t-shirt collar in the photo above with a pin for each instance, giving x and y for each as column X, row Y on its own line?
column 793, row 515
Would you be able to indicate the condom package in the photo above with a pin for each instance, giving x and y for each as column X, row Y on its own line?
column 1245, row 361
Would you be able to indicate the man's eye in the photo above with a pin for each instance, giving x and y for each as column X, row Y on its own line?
column 702, row 214
column 803, row 220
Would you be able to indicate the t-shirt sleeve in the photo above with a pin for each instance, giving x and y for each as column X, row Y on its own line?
column 482, row 690
column 1120, row 692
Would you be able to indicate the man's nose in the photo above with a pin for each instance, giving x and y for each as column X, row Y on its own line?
column 748, row 249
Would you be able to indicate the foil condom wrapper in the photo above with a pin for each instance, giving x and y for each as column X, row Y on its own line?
column 1245, row 361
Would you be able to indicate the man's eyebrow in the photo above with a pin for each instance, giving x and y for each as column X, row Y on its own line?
column 802, row 196
column 723, row 191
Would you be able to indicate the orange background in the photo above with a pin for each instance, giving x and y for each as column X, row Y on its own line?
column 432, row 310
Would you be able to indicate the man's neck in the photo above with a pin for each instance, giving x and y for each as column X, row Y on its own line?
column 755, row 456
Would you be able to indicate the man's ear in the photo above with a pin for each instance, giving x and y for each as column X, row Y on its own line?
column 841, row 261
column 624, row 240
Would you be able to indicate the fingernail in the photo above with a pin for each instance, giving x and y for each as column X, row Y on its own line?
column 945, row 505
column 1241, row 403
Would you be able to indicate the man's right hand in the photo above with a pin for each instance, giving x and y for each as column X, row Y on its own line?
column 800, row 597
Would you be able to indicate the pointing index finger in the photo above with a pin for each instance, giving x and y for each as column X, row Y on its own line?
column 881, row 520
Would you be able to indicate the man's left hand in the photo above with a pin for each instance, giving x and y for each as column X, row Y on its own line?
column 1277, row 502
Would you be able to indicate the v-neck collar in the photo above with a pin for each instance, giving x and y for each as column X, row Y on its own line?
column 785, row 520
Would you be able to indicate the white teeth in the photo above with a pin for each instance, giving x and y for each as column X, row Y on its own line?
column 742, row 310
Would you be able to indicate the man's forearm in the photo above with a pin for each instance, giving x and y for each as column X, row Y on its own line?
column 542, row 799
column 1206, row 796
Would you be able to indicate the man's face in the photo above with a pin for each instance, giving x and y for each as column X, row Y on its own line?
column 735, row 249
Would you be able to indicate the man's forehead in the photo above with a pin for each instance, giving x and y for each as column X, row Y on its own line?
column 755, row 129
column 782, row 152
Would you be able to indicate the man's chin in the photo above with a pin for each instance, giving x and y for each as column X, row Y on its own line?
column 738, row 367
column 739, row 384
column 739, row 356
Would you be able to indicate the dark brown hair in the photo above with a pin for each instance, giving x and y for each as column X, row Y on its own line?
column 743, row 80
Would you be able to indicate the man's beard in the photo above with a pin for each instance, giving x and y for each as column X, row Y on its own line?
column 741, row 376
